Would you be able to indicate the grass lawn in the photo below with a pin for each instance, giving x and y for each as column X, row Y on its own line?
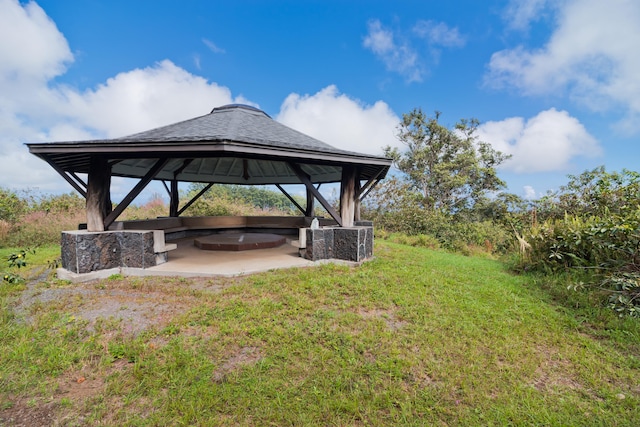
column 415, row 337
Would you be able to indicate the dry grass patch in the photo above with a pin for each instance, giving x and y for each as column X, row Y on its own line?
column 245, row 356
column 387, row 316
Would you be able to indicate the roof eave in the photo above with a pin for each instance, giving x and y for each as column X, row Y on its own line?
column 215, row 147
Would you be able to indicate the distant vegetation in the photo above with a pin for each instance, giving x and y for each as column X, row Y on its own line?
column 239, row 200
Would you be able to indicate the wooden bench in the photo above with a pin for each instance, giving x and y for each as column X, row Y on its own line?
column 174, row 228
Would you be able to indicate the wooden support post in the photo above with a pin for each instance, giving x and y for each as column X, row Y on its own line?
column 348, row 195
column 174, row 202
column 174, row 195
column 356, row 214
column 98, row 193
column 309, row 211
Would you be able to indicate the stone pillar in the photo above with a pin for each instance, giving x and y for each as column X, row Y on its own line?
column 350, row 244
column 84, row 251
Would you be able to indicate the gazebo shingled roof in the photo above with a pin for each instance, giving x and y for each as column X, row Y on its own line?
column 234, row 144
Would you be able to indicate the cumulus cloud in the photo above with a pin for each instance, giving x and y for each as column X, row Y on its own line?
column 547, row 142
column 32, row 48
column 145, row 98
column 341, row 121
column 591, row 56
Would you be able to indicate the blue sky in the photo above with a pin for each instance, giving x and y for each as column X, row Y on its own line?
column 555, row 83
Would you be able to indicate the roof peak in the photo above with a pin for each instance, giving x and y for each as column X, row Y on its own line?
column 239, row 107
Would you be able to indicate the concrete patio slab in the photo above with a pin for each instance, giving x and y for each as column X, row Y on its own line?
column 190, row 261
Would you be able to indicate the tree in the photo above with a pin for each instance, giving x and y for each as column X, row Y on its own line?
column 450, row 168
column 593, row 192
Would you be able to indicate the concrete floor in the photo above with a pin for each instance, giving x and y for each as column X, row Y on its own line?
column 190, row 261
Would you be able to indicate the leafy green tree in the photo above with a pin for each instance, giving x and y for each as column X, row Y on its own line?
column 593, row 192
column 450, row 168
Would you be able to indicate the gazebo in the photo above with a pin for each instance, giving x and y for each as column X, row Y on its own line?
column 234, row 144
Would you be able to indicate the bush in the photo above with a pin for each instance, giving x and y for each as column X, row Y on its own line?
column 606, row 248
column 16, row 260
column 11, row 206
column 37, row 220
column 223, row 200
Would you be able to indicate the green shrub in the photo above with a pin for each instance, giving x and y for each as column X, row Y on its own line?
column 11, row 206
column 606, row 248
column 16, row 260
column 221, row 200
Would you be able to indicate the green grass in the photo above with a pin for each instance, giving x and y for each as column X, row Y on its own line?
column 415, row 337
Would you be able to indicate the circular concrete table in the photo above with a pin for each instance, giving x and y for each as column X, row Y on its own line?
column 239, row 241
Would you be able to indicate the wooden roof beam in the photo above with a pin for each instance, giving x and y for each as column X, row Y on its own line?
column 134, row 192
column 304, row 178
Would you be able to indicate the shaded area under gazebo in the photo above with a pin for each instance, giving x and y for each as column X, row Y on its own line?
column 234, row 144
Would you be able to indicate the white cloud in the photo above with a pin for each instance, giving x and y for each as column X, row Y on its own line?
column 439, row 34
column 547, row 142
column 399, row 55
column 33, row 107
column 32, row 48
column 519, row 14
column 400, row 58
column 591, row 56
column 341, row 121
column 529, row 192
column 142, row 99
column 212, row 46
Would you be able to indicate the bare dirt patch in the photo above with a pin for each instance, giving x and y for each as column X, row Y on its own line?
column 388, row 316
column 134, row 304
column 554, row 375
column 243, row 357
column 28, row 413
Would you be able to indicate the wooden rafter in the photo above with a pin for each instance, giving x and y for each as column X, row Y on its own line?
column 195, row 198
column 134, row 192
column 291, row 199
column 69, row 178
column 304, row 178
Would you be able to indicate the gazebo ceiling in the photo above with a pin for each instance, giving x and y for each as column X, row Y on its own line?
column 234, row 144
